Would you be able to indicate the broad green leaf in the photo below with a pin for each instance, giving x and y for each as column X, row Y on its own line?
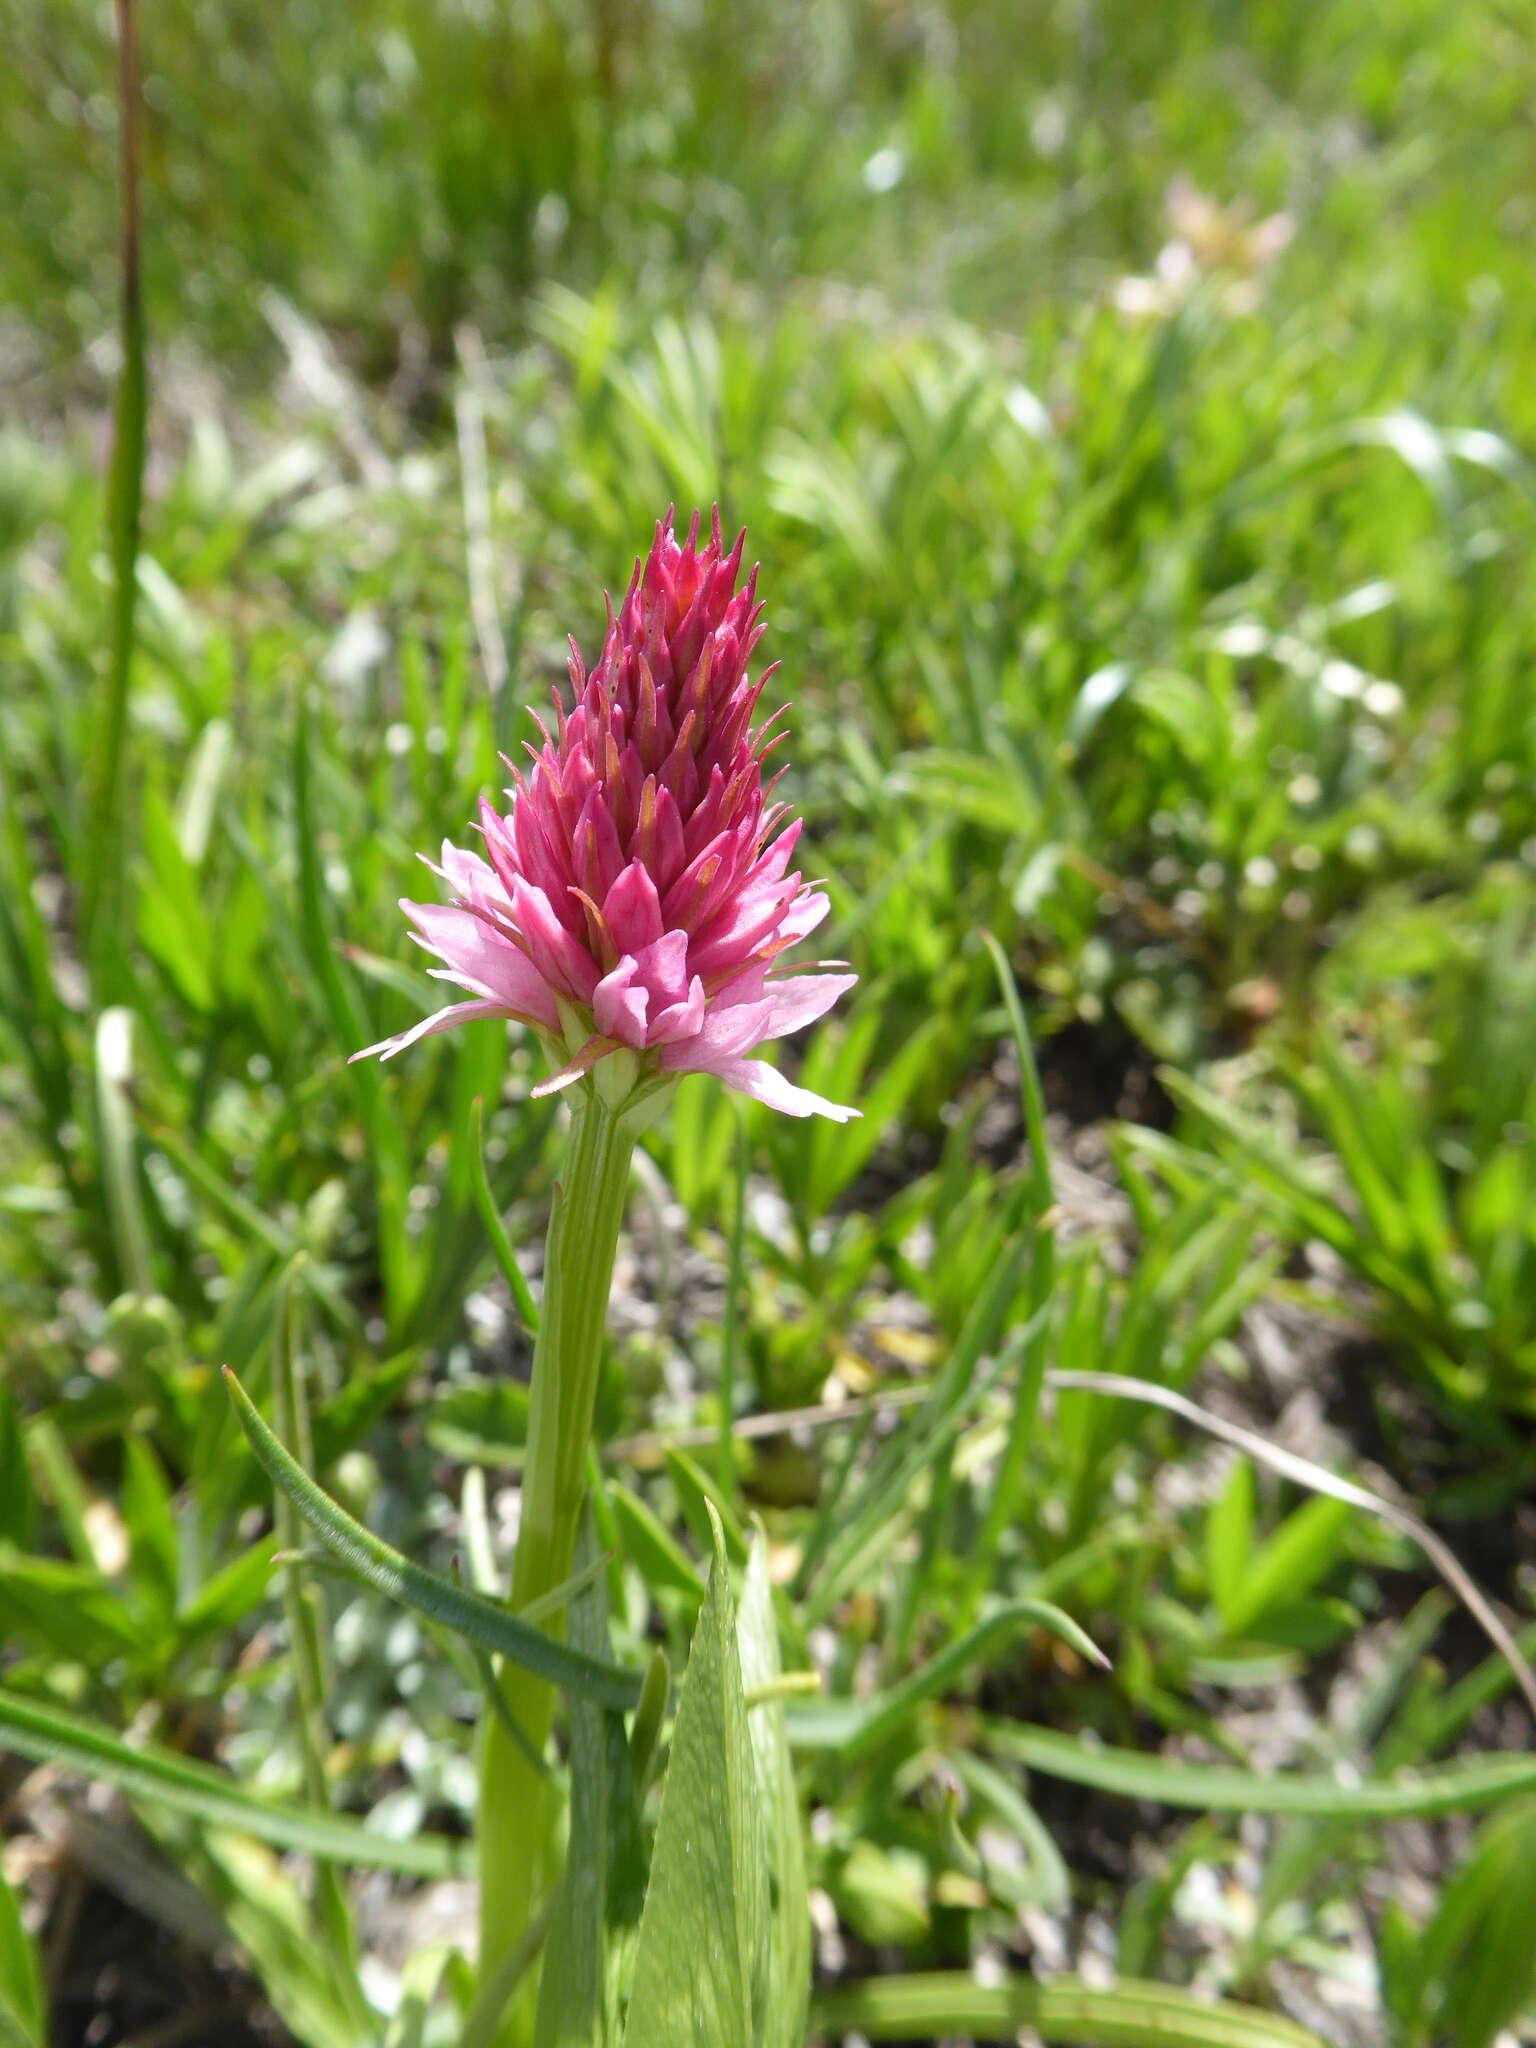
column 1229, row 1542
column 466, row 1614
column 703, row 1952
column 1305, row 1546
column 48, row 1735
column 782, row 2021
column 151, row 1520
column 650, row 1545
column 229, row 1595
column 173, row 922
column 883, row 1894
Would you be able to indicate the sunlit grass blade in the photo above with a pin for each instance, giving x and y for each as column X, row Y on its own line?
column 120, row 1169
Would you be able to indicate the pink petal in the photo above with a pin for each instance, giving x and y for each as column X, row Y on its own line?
column 748, row 922
column 619, row 1008
column 803, row 916
column 562, row 960
column 632, row 910
column 465, row 872
column 680, row 1020
column 663, row 968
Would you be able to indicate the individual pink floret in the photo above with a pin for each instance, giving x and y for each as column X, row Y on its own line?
column 637, row 895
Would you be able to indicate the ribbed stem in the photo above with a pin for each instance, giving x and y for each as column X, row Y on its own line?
column 516, row 1808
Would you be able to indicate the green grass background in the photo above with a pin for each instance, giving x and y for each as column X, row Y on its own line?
column 1131, row 409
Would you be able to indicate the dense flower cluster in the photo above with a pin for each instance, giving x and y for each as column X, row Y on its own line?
column 636, row 897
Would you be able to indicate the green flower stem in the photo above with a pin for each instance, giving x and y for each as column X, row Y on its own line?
column 516, row 1808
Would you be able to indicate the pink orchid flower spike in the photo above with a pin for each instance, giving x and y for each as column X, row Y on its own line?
column 633, row 903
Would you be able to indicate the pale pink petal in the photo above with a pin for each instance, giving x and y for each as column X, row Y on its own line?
column 482, row 959
column 803, row 916
column 766, row 1084
column 442, row 1020
column 748, row 923
column 725, row 1033
column 465, row 872
column 588, row 1057
column 803, row 998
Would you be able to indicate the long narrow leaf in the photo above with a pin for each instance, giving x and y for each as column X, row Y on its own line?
column 1458, row 1787
column 45, row 1735
column 1124, row 2015
column 853, row 1727
column 454, row 1607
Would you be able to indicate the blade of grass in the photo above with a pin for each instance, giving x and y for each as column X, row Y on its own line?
column 1042, row 1280
column 103, row 876
column 392, row 1176
column 304, row 1609
column 119, row 1167
column 854, row 1727
column 495, row 1229
column 1457, row 1787
column 1125, row 2015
